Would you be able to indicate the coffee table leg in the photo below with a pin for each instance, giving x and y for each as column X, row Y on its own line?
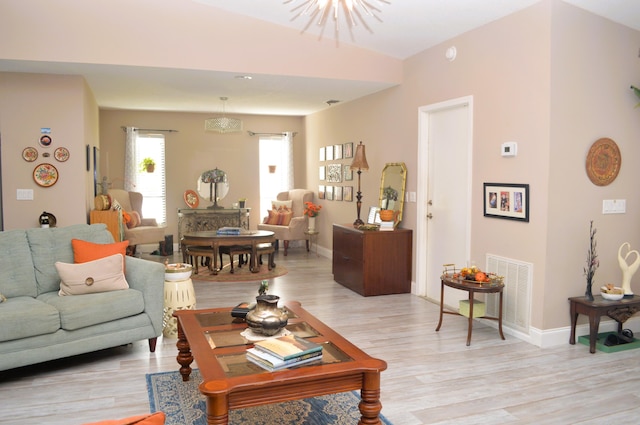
column 185, row 358
column 370, row 405
column 217, row 410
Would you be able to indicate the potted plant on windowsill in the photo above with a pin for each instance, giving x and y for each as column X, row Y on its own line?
column 148, row 165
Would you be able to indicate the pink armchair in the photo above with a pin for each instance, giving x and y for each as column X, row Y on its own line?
column 298, row 224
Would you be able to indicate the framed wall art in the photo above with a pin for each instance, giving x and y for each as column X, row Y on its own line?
column 328, row 155
column 321, row 191
column 337, row 193
column 321, row 155
column 348, row 173
column 334, row 173
column 328, row 193
column 337, row 152
column 321, row 172
column 348, row 150
column 506, row 200
column 347, row 193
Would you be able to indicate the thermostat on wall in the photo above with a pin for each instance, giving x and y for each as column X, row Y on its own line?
column 509, row 149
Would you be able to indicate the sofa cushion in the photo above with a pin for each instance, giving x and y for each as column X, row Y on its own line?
column 17, row 275
column 95, row 276
column 22, row 317
column 54, row 244
column 91, row 309
column 84, row 251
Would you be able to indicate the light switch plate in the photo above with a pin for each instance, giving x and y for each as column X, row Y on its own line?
column 614, row 206
column 24, row 194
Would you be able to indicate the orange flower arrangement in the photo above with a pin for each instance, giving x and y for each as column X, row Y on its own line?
column 311, row 209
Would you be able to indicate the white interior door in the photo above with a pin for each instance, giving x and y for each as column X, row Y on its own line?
column 444, row 192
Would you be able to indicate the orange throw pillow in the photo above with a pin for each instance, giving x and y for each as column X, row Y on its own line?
column 273, row 217
column 134, row 220
column 157, row 418
column 84, row 251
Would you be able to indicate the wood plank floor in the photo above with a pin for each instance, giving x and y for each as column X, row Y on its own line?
column 432, row 378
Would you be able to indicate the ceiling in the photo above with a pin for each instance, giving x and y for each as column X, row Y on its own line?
column 405, row 28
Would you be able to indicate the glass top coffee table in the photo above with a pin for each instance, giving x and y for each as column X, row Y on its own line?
column 213, row 338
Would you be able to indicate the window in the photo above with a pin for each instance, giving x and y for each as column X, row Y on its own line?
column 276, row 167
column 151, row 185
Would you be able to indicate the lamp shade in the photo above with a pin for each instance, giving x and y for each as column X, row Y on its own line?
column 360, row 159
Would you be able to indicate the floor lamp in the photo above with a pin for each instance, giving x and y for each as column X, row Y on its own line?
column 360, row 164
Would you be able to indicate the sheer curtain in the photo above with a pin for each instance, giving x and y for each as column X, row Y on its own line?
column 130, row 166
column 275, row 151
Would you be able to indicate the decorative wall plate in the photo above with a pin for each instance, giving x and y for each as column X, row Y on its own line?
column 30, row 154
column 45, row 141
column 61, row 154
column 191, row 198
column 603, row 162
column 45, row 175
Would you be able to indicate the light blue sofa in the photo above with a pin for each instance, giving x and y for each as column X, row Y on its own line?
column 36, row 324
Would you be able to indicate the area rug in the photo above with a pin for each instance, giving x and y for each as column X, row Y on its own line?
column 183, row 404
column 242, row 274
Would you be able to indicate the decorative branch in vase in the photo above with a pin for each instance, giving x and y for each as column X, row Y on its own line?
column 592, row 262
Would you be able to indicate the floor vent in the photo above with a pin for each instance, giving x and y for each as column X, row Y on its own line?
column 518, row 275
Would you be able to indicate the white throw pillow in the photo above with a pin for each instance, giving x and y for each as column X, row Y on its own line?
column 277, row 205
column 101, row 275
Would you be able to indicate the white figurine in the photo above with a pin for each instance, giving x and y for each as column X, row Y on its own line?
column 627, row 270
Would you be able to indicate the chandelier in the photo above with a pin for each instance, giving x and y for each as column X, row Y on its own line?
column 223, row 124
column 353, row 10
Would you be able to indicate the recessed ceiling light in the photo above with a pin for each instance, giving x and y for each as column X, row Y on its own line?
column 243, row 77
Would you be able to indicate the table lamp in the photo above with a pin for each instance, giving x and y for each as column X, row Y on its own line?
column 359, row 163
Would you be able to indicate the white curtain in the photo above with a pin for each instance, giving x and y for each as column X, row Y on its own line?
column 130, row 160
column 287, row 142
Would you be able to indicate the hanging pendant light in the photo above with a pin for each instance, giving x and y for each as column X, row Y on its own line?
column 223, row 124
column 353, row 10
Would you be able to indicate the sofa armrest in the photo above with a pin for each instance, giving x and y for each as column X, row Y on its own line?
column 148, row 277
column 298, row 224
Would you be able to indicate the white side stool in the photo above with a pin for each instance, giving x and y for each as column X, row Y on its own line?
column 178, row 295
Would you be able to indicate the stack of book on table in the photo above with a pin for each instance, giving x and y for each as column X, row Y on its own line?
column 387, row 226
column 229, row 231
column 283, row 352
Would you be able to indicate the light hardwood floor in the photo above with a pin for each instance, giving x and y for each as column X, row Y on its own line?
column 432, row 377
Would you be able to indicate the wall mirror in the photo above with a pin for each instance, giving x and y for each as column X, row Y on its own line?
column 392, row 185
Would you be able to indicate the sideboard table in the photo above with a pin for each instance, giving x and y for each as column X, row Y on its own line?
column 471, row 287
column 619, row 311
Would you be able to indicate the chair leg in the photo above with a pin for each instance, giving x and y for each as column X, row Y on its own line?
column 152, row 344
column 307, row 241
column 286, row 246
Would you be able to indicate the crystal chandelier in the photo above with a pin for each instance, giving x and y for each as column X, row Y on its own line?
column 352, row 9
column 223, row 124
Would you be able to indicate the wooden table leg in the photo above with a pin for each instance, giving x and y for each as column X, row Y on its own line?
column 217, row 409
column 574, row 321
column 500, row 317
column 470, row 327
column 216, row 251
column 370, row 405
column 185, row 358
column 441, row 304
column 594, row 324
column 253, row 261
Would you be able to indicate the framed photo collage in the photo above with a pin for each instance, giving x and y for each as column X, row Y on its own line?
column 334, row 172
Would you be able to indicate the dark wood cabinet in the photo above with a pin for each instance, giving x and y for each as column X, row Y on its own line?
column 372, row 262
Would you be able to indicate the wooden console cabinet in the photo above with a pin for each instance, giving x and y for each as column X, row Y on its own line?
column 372, row 262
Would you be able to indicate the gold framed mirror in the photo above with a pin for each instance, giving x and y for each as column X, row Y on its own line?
column 392, row 186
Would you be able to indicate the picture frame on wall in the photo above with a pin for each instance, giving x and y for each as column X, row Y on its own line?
column 337, row 152
column 321, row 191
column 334, row 173
column 321, row 172
column 347, row 193
column 321, row 154
column 328, row 155
column 337, row 193
column 509, row 201
column 348, row 173
column 348, row 150
column 328, row 193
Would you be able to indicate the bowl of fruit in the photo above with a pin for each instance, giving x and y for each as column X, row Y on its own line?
column 611, row 293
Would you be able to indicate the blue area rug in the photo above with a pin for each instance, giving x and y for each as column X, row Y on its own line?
column 184, row 405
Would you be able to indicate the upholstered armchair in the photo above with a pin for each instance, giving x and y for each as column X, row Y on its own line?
column 294, row 230
column 138, row 230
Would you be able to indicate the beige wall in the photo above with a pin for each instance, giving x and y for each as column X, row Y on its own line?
column 191, row 150
column 552, row 78
column 29, row 102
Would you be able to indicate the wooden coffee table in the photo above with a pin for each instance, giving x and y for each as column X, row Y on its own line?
column 213, row 338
